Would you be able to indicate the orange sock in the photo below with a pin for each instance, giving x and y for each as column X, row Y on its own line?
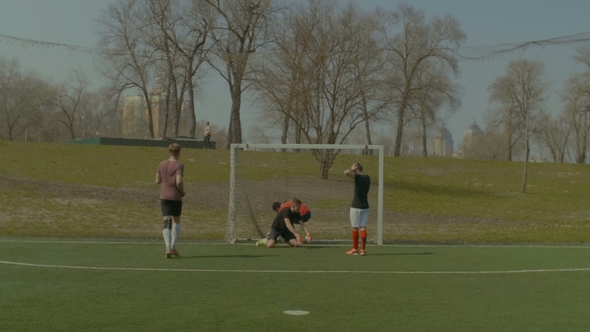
column 355, row 239
column 363, row 238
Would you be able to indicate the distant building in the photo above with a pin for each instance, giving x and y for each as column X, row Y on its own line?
column 135, row 119
column 472, row 138
column 442, row 143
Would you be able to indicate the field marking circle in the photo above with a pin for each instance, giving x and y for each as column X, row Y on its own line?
column 296, row 312
column 100, row 268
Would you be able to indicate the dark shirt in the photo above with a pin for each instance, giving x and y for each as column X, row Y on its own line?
column 279, row 222
column 303, row 210
column 362, row 183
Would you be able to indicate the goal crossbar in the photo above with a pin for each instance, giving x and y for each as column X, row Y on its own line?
column 233, row 189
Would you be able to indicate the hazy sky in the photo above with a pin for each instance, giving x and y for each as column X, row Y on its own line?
column 485, row 23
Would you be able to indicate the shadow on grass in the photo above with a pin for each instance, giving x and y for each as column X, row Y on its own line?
column 314, row 247
column 403, row 254
column 223, row 256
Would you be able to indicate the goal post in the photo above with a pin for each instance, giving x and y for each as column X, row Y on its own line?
column 263, row 173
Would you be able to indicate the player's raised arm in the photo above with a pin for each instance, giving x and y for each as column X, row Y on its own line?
column 350, row 172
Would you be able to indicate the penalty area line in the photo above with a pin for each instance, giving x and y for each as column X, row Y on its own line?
column 98, row 268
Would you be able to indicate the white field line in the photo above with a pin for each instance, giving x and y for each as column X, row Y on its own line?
column 287, row 271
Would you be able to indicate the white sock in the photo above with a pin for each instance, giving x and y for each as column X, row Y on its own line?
column 166, row 233
column 175, row 233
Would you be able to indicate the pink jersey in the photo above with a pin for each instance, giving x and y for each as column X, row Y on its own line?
column 168, row 171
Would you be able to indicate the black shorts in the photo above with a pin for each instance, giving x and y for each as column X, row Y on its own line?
column 171, row 208
column 285, row 233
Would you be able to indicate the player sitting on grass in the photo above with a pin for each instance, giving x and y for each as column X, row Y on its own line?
column 283, row 226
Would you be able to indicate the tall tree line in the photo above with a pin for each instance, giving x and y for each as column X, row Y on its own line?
column 321, row 68
column 321, row 71
column 33, row 109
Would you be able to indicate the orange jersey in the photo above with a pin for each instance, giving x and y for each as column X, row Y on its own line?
column 303, row 209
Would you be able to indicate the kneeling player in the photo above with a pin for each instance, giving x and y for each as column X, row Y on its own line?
column 304, row 216
column 283, row 226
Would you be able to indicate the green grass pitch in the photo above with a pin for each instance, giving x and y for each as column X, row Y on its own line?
column 129, row 286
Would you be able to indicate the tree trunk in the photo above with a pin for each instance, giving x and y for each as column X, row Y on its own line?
column 368, row 135
column 285, row 129
column 298, row 133
column 509, row 155
column 175, row 111
column 326, row 160
column 191, row 108
column 148, row 103
column 400, row 127
column 582, row 151
column 235, row 125
column 424, row 141
column 526, row 162
column 166, row 111
column 71, row 128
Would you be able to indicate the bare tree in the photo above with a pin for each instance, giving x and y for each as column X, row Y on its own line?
column 369, row 68
column 72, row 102
column 162, row 26
column 240, row 31
column 104, row 117
column 491, row 146
column 130, row 60
column 554, row 135
column 179, row 32
column 523, row 89
column 577, row 105
column 417, row 47
column 195, row 49
column 278, row 76
column 438, row 91
column 425, row 114
column 315, row 80
column 21, row 99
column 503, row 118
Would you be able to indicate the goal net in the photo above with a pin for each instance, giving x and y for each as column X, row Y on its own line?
column 265, row 173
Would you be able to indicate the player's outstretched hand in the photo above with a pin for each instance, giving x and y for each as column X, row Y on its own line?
column 299, row 239
column 308, row 238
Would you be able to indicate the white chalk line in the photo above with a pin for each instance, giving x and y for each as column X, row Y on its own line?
column 141, row 269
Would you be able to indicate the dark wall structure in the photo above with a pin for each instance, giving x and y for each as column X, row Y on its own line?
column 164, row 142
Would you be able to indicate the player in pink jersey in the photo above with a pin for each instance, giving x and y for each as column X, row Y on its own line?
column 169, row 174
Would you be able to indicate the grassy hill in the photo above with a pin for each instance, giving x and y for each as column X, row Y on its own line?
column 68, row 190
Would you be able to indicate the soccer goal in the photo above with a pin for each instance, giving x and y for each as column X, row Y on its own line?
column 314, row 173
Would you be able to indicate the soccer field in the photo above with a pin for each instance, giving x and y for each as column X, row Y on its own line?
column 52, row 285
